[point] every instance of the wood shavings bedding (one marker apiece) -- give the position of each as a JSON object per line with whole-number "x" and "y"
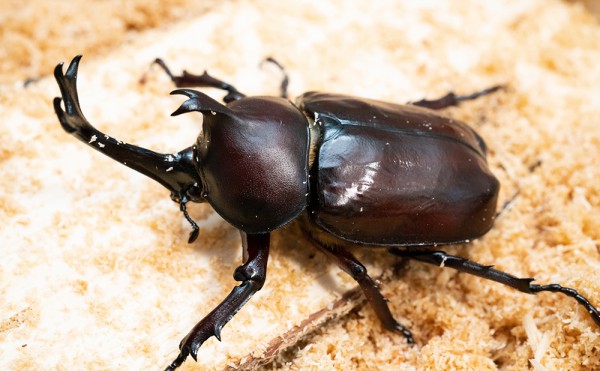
{"x": 35, "y": 34}
{"x": 96, "y": 272}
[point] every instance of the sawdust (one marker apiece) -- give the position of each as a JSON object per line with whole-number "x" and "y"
{"x": 96, "y": 272}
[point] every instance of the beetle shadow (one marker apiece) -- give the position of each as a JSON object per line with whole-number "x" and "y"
{"x": 291, "y": 243}
{"x": 217, "y": 238}
{"x": 221, "y": 241}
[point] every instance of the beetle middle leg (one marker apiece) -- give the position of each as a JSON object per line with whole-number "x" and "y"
{"x": 349, "y": 264}
{"x": 187, "y": 79}
{"x": 452, "y": 99}
{"x": 252, "y": 274}
{"x": 442, "y": 259}
{"x": 285, "y": 81}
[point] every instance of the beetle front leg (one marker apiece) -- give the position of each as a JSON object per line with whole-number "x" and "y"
{"x": 187, "y": 79}
{"x": 252, "y": 274}
{"x": 349, "y": 264}
{"x": 452, "y": 99}
{"x": 442, "y": 259}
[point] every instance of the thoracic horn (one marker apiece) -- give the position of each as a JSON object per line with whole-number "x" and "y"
{"x": 199, "y": 102}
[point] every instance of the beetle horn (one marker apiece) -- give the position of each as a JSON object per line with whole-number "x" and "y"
{"x": 199, "y": 102}
{"x": 176, "y": 172}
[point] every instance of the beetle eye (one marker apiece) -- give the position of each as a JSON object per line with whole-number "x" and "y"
{"x": 194, "y": 193}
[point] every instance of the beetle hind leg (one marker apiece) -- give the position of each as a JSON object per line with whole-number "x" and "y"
{"x": 187, "y": 79}
{"x": 442, "y": 259}
{"x": 349, "y": 264}
{"x": 452, "y": 99}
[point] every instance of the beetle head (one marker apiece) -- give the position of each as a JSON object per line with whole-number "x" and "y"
{"x": 184, "y": 183}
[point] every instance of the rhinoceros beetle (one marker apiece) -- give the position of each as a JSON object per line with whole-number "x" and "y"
{"x": 352, "y": 171}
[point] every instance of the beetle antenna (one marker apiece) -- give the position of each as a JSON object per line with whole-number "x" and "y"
{"x": 193, "y": 234}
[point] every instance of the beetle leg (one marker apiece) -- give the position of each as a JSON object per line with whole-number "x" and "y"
{"x": 285, "y": 81}
{"x": 205, "y": 80}
{"x": 195, "y": 229}
{"x": 452, "y": 99}
{"x": 442, "y": 259}
{"x": 349, "y": 264}
{"x": 252, "y": 274}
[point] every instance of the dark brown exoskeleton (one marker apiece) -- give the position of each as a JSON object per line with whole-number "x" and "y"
{"x": 353, "y": 171}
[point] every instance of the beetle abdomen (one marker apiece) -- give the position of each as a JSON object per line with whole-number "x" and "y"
{"x": 384, "y": 184}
